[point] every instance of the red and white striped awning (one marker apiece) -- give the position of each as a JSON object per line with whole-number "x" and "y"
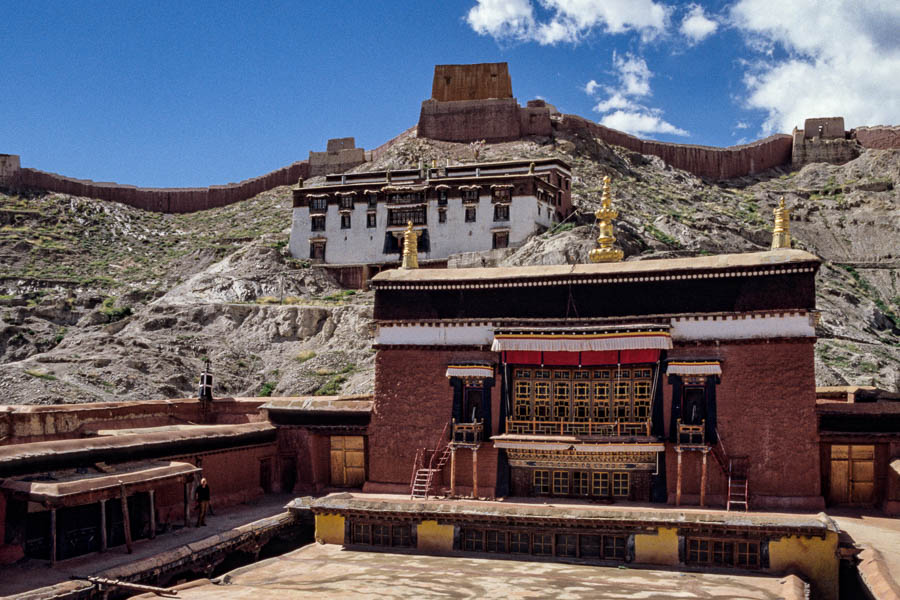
{"x": 694, "y": 367}
{"x": 581, "y": 342}
{"x": 479, "y": 371}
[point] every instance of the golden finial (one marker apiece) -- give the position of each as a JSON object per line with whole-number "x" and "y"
{"x": 607, "y": 252}
{"x": 781, "y": 236}
{"x": 410, "y": 248}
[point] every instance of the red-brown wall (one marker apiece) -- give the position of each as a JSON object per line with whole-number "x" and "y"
{"x": 413, "y": 404}
{"x": 765, "y": 410}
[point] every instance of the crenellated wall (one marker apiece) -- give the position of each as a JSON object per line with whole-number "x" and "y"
{"x": 166, "y": 200}
{"x": 882, "y": 137}
{"x": 703, "y": 161}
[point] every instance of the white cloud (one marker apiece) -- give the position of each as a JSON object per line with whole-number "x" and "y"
{"x": 623, "y": 106}
{"x": 642, "y": 122}
{"x": 696, "y": 26}
{"x": 742, "y": 125}
{"x": 566, "y": 20}
{"x": 502, "y": 18}
{"x": 842, "y": 59}
{"x": 615, "y": 101}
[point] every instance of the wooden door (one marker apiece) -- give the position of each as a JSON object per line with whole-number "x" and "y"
{"x": 862, "y": 474}
{"x": 852, "y": 475}
{"x": 348, "y": 460}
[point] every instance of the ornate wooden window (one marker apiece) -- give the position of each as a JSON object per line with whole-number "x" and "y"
{"x": 542, "y": 544}
{"x": 442, "y": 215}
{"x": 620, "y": 484}
{"x": 470, "y": 214}
{"x": 501, "y": 212}
{"x": 642, "y": 400}
{"x": 519, "y": 542}
{"x": 469, "y": 195}
{"x": 560, "y": 483}
{"x": 372, "y": 199}
{"x": 401, "y": 216}
{"x": 401, "y": 536}
{"x": 622, "y": 400}
{"x": 522, "y": 399}
{"x": 381, "y": 535}
{"x": 442, "y": 197}
{"x": 614, "y": 547}
{"x": 345, "y": 221}
{"x": 600, "y": 483}
{"x": 581, "y": 394}
{"x": 495, "y": 541}
{"x": 371, "y": 220}
{"x": 561, "y": 400}
{"x": 318, "y": 223}
{"x": 406, "y": 197}
{"x": 541, "y": 482}
{"x": 723, "y": 553}
{"x": 542, "y": 400}
{"x": 473, "y": 540}
{"x": 362, "y": 533}
{"x": 567, "y": 544}
{"x": 747, "y": 554}
{"x": 347, "y": 202}
{"x": 581, "y": 483}
{"x": 318, "y": 204}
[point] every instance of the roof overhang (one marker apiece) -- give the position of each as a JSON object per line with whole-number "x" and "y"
{"x": 582, "y": 339}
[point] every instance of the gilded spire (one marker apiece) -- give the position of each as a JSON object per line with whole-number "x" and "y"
{"x": 410, "y": 248}
{"x": 781, "y": 236}
{"x": 607, "y": 252}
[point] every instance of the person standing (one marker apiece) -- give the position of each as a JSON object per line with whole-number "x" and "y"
{"x": 202, "y": 501}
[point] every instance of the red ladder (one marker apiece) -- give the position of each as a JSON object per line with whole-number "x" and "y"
{"x": 423, "y": 477}
{"x": 736, "y": 469}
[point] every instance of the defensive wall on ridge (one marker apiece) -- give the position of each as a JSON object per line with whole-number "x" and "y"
{"x": 475, "y": 102}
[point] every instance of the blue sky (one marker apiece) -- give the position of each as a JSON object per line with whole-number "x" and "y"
{"x": 196, "y": 94}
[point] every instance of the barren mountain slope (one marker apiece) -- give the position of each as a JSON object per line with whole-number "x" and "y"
{"x": 218, "y": 284}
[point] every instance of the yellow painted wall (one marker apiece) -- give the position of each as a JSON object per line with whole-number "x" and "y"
{"x": 330, "y": 529}
{"x": 433, "y": 537}
{"x": 660, "y": 549}
{"x": 814, "y": 557}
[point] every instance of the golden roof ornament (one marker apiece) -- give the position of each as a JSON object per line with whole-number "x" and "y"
{"x": 607, "y": 252}
{"x": 781, "y": 235}
{"x": 410, "y": 248}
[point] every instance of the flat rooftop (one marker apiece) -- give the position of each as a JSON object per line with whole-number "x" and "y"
{"x": 719, "y": 263}
{"x": 327, "y": 571}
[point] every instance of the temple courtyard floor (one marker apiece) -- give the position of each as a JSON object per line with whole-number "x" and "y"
{"x": 327, "y": 571}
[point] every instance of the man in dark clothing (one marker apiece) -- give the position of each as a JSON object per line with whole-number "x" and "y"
{"x": 202, "y": 501}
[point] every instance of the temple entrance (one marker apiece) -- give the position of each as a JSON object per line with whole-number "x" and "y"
{"x": 693, "y": 406}
{"x": 348, "y": 460}
{"x": 472, "y": 405}
{"x": 852, "y": 475}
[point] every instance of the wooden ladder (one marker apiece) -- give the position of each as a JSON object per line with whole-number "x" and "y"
{"x": 423, "y": 477}
{"x": 735, "y": 468}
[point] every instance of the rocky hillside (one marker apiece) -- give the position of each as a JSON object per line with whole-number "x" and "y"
{"x": 103, "y": 302}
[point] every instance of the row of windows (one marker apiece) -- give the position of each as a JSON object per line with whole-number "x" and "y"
{"x": 597, "y": 546}
{"x": 723, "y": 553}
{"x": 601, "y": 484}
{"x": 500, "y": 239}
{"x": 395, "y": 536}
{"x": 402, "y": 216}
{"x": 347, "y": 201}
{"x": 582, "y": 395}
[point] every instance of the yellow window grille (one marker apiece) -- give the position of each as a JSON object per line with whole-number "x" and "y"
{"x": 620, "y": 484}
{"x": 541, "y": 482}
{"x": 560, "y": 482}
{"x": 600, "y": 483}
{"x": 561, "y": 398}
{"x": 522, "y": 399}
{"x": 542, "y": 400}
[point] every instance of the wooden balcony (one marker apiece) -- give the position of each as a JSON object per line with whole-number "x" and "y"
{"x": 580, "y": 428}
{"x": 691, "y": 435}
{"x": 467, "y": 433}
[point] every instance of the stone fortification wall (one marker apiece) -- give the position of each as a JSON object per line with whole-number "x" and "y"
{"x": 703, "y": 161}
{"x": 495, "y": 120}
{"x": 9, "y": 166}
{"x": 167, "y": 200}
{"x": 471, "y": 82}
{"x": 340, "y": 155}
{"x": 881, "y": 137}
